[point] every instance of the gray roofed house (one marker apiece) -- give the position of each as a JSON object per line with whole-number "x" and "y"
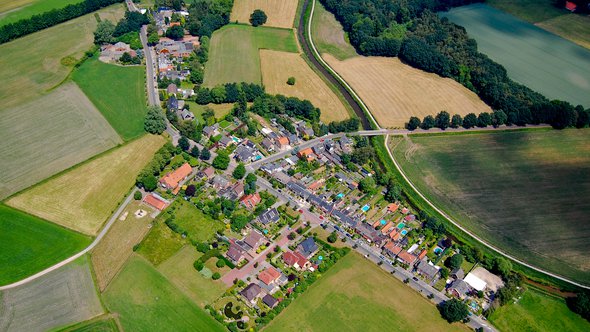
{"x": 368, "y": 232}
{"x": 269, "y": 216}
{"x": 226, "y": 141}
{"x": 459, "y": 288}
{"x": 232, "y": 192}
{"x": 268, "y": 145}
{"x": 211, "y": 130}
{"x": 172, "y": 104}
{"x": 307, "y": 248}
{"x": 282, "y": 177}
{"x": 172, "y": 89}
{"x": 322, "y": 204}
{"x": 207, "y": 172}
{"x": 270, "y": 301}
{"x": 293, "y": 139}
{"x": 220, "y": 182}
{"x": 457, "y": 273}
{"x": 346, "y": 141}
{"x": 251, "y": 292}
{"x": 319, "y": 149}
{"x": 341, "y": 176}
{"x": 245, "y": 153}
{"x": 254, "y": 239}
{"x": 187, "y": 115}
{"x": 298, "y": 189}
{"x": 344, "y": 218}
{"x": 305, "y": 131}
{"x": 426, "y": 269}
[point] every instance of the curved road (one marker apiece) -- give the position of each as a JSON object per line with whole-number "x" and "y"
{"x": 399, "y": 169}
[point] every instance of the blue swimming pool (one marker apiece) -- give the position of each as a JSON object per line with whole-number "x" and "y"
{"x": 404, "y": 232}
{"x": 340, "y": 195}
{"x": 365, "y": 208}
{"x": 438, "y": 250}
{"x": 383, "y": 222}
{"x": 401, "y": 225}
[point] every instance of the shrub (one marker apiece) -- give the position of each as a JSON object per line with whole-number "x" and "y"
{"x": 198, "y": 265}
{"x": 220, "y": 263}
{"x": 216, "y": 276}
{"x": 137, "y": 195}
{"x": 291, "y": 80}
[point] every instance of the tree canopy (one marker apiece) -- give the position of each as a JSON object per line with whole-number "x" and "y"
{"x": 155, "y": 121}
{"x": 453, "y": 310}
{"x": 258, "y": 17}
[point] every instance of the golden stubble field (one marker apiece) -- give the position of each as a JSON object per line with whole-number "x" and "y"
{"x": 394, "y": 91}
{"x": 277, "y": 67}
{"x": 83, "y": 198}
{"x": 281, "y": 13}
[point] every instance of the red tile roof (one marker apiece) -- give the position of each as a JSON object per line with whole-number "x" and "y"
{"x": 392, "y": 207}
{"x": 395, "y": 235}
{"x": 387, "y": 228}
{"x": 290, "y": 258}
{"x": 283, "y": 140}
{"x": 250, "y": 201}
{"x": 570, "y": 6}
{"x": 422, "y": 254}
{"x": 155, "y": 202}
{"x": 269, "y": 275}
{"x": 395, "y": 249}
{"x": 407, "y": 257}
{"x": 172, "y": 179}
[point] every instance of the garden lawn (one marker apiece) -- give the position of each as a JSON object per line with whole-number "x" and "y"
{"x": 146, "y": 301}
{"x": 118, "y": 92}
{"x": 233, "y": 54}
{"x": 198, "y": 226}
{"x": 16, "y": 10}
{"x": 29, "y": 245}
{"x": 328, "y": 35}
{"x": 84, "y": 197}
{"x": 524, "y": 192}
{"x": 180, "y": 271}
{"x": 537, "y": 311}
{"x": 356, "y": 295}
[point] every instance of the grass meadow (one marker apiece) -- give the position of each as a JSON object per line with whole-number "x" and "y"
{"x": 50, "y": 134}
{"x": 161, "y": 243}
{"x": 199, "y": 226}
{"x": 180, "y": 271}
{"x": 100, "y": 324}
{"x": 570, "y": 26}
{"x": 281, "y": 14}
{"x": 278, "y": 66}
{"x": 29, "y": 245}
{"x": 394, "y": 91}
{"x": 118, "y": 92}
{"x": 356, "y": 295}
{"x": 36, "y": 63}
{"x": 551, "y": 65}
{"x": 524, "y": 192}
{"x": 111, "y": 253}
{"x": 537, "y": 311}
{"x": 61, "y": 298}
{"x": 16, "y": 10}
{"x": 145, "y": 300}
{"x": 84, "y": 197}
{"x": 220, "y": 110}
{"x": 233, "y": 55}
{"x": 328, "y": 35}
{"x": 533, "y": 11}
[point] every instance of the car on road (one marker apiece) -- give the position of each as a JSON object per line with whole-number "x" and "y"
{"x": 367, "y": 256}
{"x": 414, "y": 278}
{"x": 300, "y": 211}
{"x": 321, "y": 217}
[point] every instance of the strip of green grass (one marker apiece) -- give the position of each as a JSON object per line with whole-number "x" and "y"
{"x": 536, "y": 311}
{"x": 234, "y": 57}
{"x": 29, "y": 244}
{"x": 328, "y": 35}
{"x": 146, "y": 301}
{"x": 118, "y": 93}
{"x": 100, "y": 324}
{"x": 32, "y": 7}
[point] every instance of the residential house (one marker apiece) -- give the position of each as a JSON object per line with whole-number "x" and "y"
{"x": 459, "y": 288}
{"x": 232, "y": 192}
{"x": 296, "y": 260}
{"x": 250, "y": 201}
{"x": 113, "y": 52}
{"x": 346, "y": 143}
{"x": 155, "y": 201}
{"x": 282, "y": 142}
{"x": 269, "y": 216}
{"x": 211, "y": 130}
{"x": 405, "y": 211}
{"x": 427, "y": 270}
{"x": 293, "y": 139}
{"x": 268, "y": 145}
{"x": 344, "y": 218}
{"x": 269, "y": 276}
{"x": 220, "y": 182}
{"x": 305, "y": 131}
{"x": 422, "y": 254}
{"x": 173, "y": 179}
{"x": 315, "y": 185}
{"x": 410, "y": 218}
{"x": 207, "y": 173}
{"x": 254, "y": 239}
{"x": 252, "y": 293}
{"x": 321, "y": 203}
{"x": 307, "y": 248}
{"x": 395, "y": 235}
{"x": 298, "y": 189}
{"x": 406, "y": 258}
{"x": 245, "y": 153}
{"x": 387, "y": 228}
{"x": 391, "y": 249}
{"x": 306, "y": 154}
{"x": 319, "y": 149}
{"x": 186, "y": 115}
{"x": 392, "y": 207}
{"x": 173, "y": 48}
{"x": 226, "y": 141}
{"x": 270, "y": 301}
{"x": 457, "y": 273}
{"x": 172, "y": 104}
{"x": 368, "y": 232}
{"x": 482, "y": 279}
{"x": 235, "y": 252}
{"x": 172, "y": 89}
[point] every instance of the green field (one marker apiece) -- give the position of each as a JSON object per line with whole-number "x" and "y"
{"x": 524, "y": 192}
{"x": 118, "y": 92}
{"x": 29, "y": 244}
{"x": 144, "y": 300}
{"x": 356, "y": 295}
{"x": 233, "y": 54}
{"x": 21, "y": 9}
{"x": 198, "y": 226}
{"x": 101, "y": 324}
{"x": 58, "y": 299}
{"x": 161, "y": 243}
{"x": 570, "y": 26}
{"x": 50, "y": 134}
{"x": 328, "y": 35}
{"x": 533, "y": 11}
{"x": 536, "y": 311}
{"x": 551, "y": 65}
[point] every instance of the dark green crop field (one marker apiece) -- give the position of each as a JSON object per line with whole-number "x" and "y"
{"x": 524, "y": 192}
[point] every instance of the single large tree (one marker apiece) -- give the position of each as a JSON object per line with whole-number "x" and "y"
{"x": 104, "y": 32}
{"x": 453, "y": 310}
{"x": 442, "y": 120}
{"x": 221, "y": 161}
{"x": 455, "y": 261}
{"x": 413, "y": 123}
{"x": 258, "y": 17}
{"x": 239, "y": 171}
{"x": 176, "y": 32}
{"x": 155, "y": 121}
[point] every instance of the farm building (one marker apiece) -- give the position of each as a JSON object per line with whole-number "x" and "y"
{"x": 156, "y": 201}
{"x": 173, "y": 179}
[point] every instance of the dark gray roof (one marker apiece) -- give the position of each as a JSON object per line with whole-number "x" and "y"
{"x": 307, "y": 247}
{"x": 427, "y": 269}
{"x": 235, "y": 252}
{"x": 368, "y": 231}
{"x": 298, "y": 189}
{"x": 269, "y": 300}
{"x": 460, "y": 286}
{"x": 269, "y": 216}
{"x": 172, "y": 103}
{"x": 344, "y": 218}
{"x": 251, "y": 291}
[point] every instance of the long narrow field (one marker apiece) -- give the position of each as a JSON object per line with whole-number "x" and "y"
{"x": 356, "y": 295}
{"x": 394, "y": 91}
{"x": 328, "y": 35}
{"x": 180, "y": 271}
{"x": 60, "y": 298}
{"x": 570, "y": 26}
{"x": 532, "y": 11}
{"x": 99, "y": 324}
{"x": 233, "y": 56}
{"x": 524, "y": 192}
{"x": 15, "y": 10}
{"x": 111, "y": 253}
{"x": 280, "y": 13}
{"x": 33, "y": 64}
{"x": 536, "y": 311}
{"x": 118, "y": 92}
{"x": 84, "y": 197}
{"x": 29, "y": 245}
{"x": 277, "y": 67}
{"x": 146, "y": 301}
{"x": 553, "y": 66}
{"x": 50, "y": 134}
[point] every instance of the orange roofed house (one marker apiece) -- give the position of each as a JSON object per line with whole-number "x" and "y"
{"x": 173, "y": 179}
{"x": 250, "y": 201}
{"x": 306, "y": 154}
{"x": 155, "y": 201}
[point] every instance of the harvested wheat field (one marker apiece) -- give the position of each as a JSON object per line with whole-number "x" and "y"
{"x": 277, "y": 67}
{"x": 109, "y": 256}
{"x": 84, "y": 197}
{"x": 281, "y": 13}
{"x": 394, "y": 91}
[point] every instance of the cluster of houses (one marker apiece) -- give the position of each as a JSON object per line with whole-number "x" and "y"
{"x": 112, "y": 53}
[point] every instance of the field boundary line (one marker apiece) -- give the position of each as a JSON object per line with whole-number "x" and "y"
{"x": 99, "y": 237}
{"x": 464, "y": 230}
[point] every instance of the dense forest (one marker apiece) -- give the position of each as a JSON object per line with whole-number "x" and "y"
{"x": 48, "y": 19}
{"x": 207, "y": 16}
{"x": 413, "y": 32}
